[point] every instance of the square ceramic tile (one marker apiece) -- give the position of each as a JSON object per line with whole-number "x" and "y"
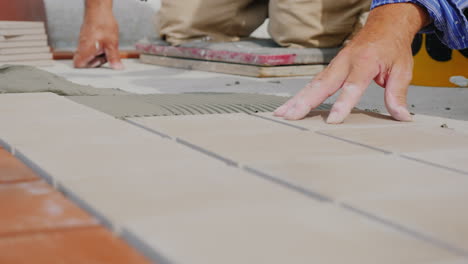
{"x": 436, "y": 122}
{"x": 280, "y": 233}
{"x": 224, "y": 124}
{"x": 404, "y": 139}
{"x": 255, "y": 141}
{"x": 30, "y": 105}
{"x": 359, "y": 119}
{"x": 453, "y": 159}
{"x": 410, "y": 193}
{"x": 61, "y": 121}
{"x": 435, "y": 208}
{"x": 346, "y": 176}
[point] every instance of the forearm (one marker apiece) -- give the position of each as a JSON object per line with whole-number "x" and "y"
{"x": 446, "y": 17}
{"x": 402, "y": 20}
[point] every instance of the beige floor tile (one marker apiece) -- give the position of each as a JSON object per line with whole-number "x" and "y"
{"x": 45, "y": 117}
{"x": 454, "y": 261}
{"x": 405, "y": 139}
{"x": 349, "y": 176}
{"x": 225, "y": 124}
{"x": 358, "y": 119}
{"x": 29, "y": 105}
{"x": 455, "y": 159}
{"x": 414, "y": 194}
{"x": 280, "y": 233}
{"x": 277, "y": 146}
{"x": 436, "y": 208}
{"x": 436, "y": 122}
{"x": 254, "y": 142}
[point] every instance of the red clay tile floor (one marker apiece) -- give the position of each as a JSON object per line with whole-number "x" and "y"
{"x": 39, "y": 225}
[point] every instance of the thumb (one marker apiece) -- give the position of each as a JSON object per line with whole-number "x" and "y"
{"x": 396, "y": 92}
{"x": 113, "y": 56}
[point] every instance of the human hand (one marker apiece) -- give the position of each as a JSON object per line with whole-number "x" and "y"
{"x": 99, "y": 39}
{"x": 380, "y": 52}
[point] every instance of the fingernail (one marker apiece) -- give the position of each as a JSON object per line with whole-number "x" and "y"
{"x": 334, "y": 118}
{"x": 117, "y": 66}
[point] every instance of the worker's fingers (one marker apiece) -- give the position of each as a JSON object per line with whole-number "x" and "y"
{"x": 87, "y": 54}
{"x": 351, "y": 91}
{"x": 312, "y": 95}
{"x": 97, "y": 61}
{"x": 113, "y": 56}
{"x": 396, "y": 92}
{"x": 317, "y": 91}
{"x": 280, "y": 111}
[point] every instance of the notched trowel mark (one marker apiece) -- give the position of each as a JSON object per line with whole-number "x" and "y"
{"x": 28, "y": 79}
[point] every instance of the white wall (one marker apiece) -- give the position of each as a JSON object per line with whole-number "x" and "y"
{"x": 135, "y": 18}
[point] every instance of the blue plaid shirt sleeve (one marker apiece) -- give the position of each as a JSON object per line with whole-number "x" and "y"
{"x": 449, "y": 22}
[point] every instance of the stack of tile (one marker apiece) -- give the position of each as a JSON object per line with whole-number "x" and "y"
{"x": 24, "y": 43}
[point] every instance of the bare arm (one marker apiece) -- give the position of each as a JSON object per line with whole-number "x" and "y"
{"x": 380, "y": 52}
{"x": 99, "y": 37}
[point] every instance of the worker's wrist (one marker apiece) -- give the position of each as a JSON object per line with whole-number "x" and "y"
{"x": 401, "y": 20}
{"x": 96, "y": 7}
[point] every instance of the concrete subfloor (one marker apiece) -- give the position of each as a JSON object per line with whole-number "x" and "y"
{"x": 148, "y": 79}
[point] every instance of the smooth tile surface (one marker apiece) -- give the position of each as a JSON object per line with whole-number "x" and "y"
{"x": 436, "y": 122}
{"x": 431, "y": 200}
{"x": 455, "y": 158}
{"x": 55, "y": 120}
{"x": 357, "y": 119}
{"x": 292, "y": 234}
{"x": 405, "y": 139}
{"x": 349, "y": 176}
{"x": 217, "y": 124}
{"x": 258, "y": 143}
{"x": 35, "y": 206}
{"x": 12, "y": 170}
{"x": 438, "y": 209}
{"x": 84, "y": 245}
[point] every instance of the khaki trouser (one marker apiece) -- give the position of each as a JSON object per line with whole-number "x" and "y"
{"x": 293, "y": 23}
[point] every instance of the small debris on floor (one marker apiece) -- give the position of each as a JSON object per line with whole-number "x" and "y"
{"x": 444, "y": 126}
{"x": 375, "y": 110}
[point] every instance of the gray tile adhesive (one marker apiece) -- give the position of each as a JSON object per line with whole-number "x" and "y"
{"x": 124, "y": 106}
{"x": 28, "y": 79}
